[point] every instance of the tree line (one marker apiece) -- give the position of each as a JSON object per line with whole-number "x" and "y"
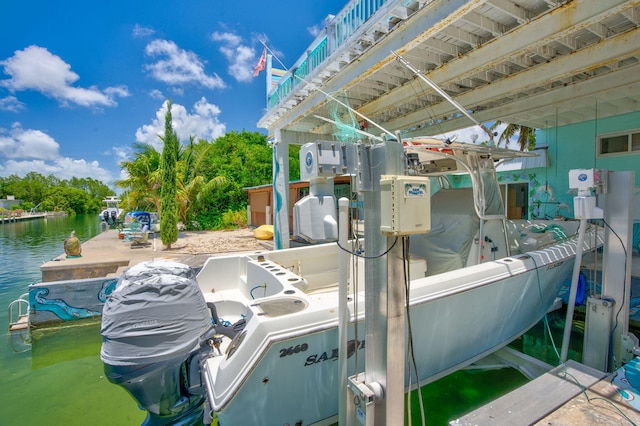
{"x": 75, "y": 196}
{"x": 210, "y": 177}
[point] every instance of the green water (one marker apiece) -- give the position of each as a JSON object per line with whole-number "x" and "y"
{"x": 59, "y": 379}
{"x": 462, "y": 392}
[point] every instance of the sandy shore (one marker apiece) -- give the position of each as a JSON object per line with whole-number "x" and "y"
{"x": 211, "y": 242}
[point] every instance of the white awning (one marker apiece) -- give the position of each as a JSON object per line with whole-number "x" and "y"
{"x": 521, "y": 163}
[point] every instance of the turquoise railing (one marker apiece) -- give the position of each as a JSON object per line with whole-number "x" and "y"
{"x": 347, "y": 22}
{"x": 300, "y": 73}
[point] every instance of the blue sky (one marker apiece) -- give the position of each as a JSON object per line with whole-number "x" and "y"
{"x": 81, "y": 81}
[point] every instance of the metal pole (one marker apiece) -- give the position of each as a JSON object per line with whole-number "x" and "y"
{"x": 443, "y": 94}
{"x": 343, "y": 313}
{"x": 573, "y": 290}
{"x": 616, "y": 273}
{"x": 375, "y": 302}
{"x": 394, "y": 391}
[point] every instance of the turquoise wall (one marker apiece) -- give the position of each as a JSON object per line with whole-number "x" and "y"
{"x": 574, "y": 147}
{"x": 570, "y": 147}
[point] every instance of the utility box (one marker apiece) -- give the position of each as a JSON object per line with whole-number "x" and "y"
{"x": 405, "y": 204}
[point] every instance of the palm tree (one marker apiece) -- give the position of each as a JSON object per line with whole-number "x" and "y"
{"x": 526, "y": 135}
{"x": 143, "y": 181}
{"x": 191, "y": 182}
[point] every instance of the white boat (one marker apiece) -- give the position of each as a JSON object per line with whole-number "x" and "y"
{"x": 112, "y": 212}
{"x": 477, "y": 281}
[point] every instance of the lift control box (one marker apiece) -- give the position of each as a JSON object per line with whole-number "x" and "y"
{"x": 405, "y": 204}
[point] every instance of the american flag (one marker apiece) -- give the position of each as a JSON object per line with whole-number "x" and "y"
{"x": 261, "y": 63}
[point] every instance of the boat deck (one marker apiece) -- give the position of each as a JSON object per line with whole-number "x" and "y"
{"x": 571, "y": 395}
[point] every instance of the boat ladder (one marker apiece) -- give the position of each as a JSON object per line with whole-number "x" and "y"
{"x": 19, "y": 313}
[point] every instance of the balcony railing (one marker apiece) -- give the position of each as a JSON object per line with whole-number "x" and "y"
{"x": 337, "y": 32}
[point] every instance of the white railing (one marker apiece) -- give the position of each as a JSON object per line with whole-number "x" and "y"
{"x": 338, "y": 31}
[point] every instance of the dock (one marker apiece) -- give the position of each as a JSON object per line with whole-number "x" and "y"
{"x": 10, "y": 217}
{"x": 106, "y": 255}
{"x": 573, "y": 394}
{"x": 75, "y": 288}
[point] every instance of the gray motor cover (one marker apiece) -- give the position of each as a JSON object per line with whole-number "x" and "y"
{"x": 156, "y": 313}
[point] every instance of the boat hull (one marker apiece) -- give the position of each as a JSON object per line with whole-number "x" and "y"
{"x": 285, "y": 370}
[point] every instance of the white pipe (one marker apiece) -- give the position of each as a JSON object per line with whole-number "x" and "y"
{"x": 573, "y": 290}
{"x": 444, "y": 94}
{"x": 343, "y": 308}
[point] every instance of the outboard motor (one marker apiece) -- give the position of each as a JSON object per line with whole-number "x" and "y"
{"x": 113, "y": 216}
{"x": 105, "y": 215}
{"x": 156, "y": 331}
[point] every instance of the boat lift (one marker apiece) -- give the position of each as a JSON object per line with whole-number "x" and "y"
{"x": 607, "y": 342}
{"x": 377, "y": 395}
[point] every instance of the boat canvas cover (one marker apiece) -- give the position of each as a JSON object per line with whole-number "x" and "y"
{"x": 454, "y": 225}
{"x": 156, "y": 313}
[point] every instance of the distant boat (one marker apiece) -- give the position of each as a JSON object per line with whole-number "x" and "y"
{"x": 476, "y": 282}
{"x": 112, "y": 212}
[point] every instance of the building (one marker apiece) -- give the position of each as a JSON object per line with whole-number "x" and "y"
{"x": 8, "y": 202}
{"x": 260, "y": 199}
{"x": 570, "y": 69}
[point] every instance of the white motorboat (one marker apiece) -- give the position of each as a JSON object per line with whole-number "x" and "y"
{"x": 112, "y": 212}
{"x": 476, "y": 282}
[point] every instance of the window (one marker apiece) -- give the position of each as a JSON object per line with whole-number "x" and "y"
{"x": 619, "y": 143}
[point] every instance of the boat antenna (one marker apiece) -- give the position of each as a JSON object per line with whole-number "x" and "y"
{"x": 333, "y": 98}
{"x": 444, "y": 95}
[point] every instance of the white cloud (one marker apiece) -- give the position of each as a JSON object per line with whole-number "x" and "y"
{"x": 242, "y": 58}
{"x": 179, "y": 66}
{"x": 140, "y": 31}
{"x": 315, "y": 30}
{"x": 63, "y": 168}
{"x": 156, "y": 94}
{"x": 21, "y": 143}
{"x": 203, "y": 123}
{"x": 28, "y": 150}
{"x": 228, "y": 38}
{"x": 35, "y": 68}
{"x": 11, "y": 103}
{"x": 122, "y": 153}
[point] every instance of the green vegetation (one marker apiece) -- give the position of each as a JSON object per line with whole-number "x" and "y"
{"x": 168, "y": 190}
{"x": 210, "y": 177}
{"x": 77, "y": 195}
{"x": 143, "y": 184}
{"x": 526, "y": 135}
